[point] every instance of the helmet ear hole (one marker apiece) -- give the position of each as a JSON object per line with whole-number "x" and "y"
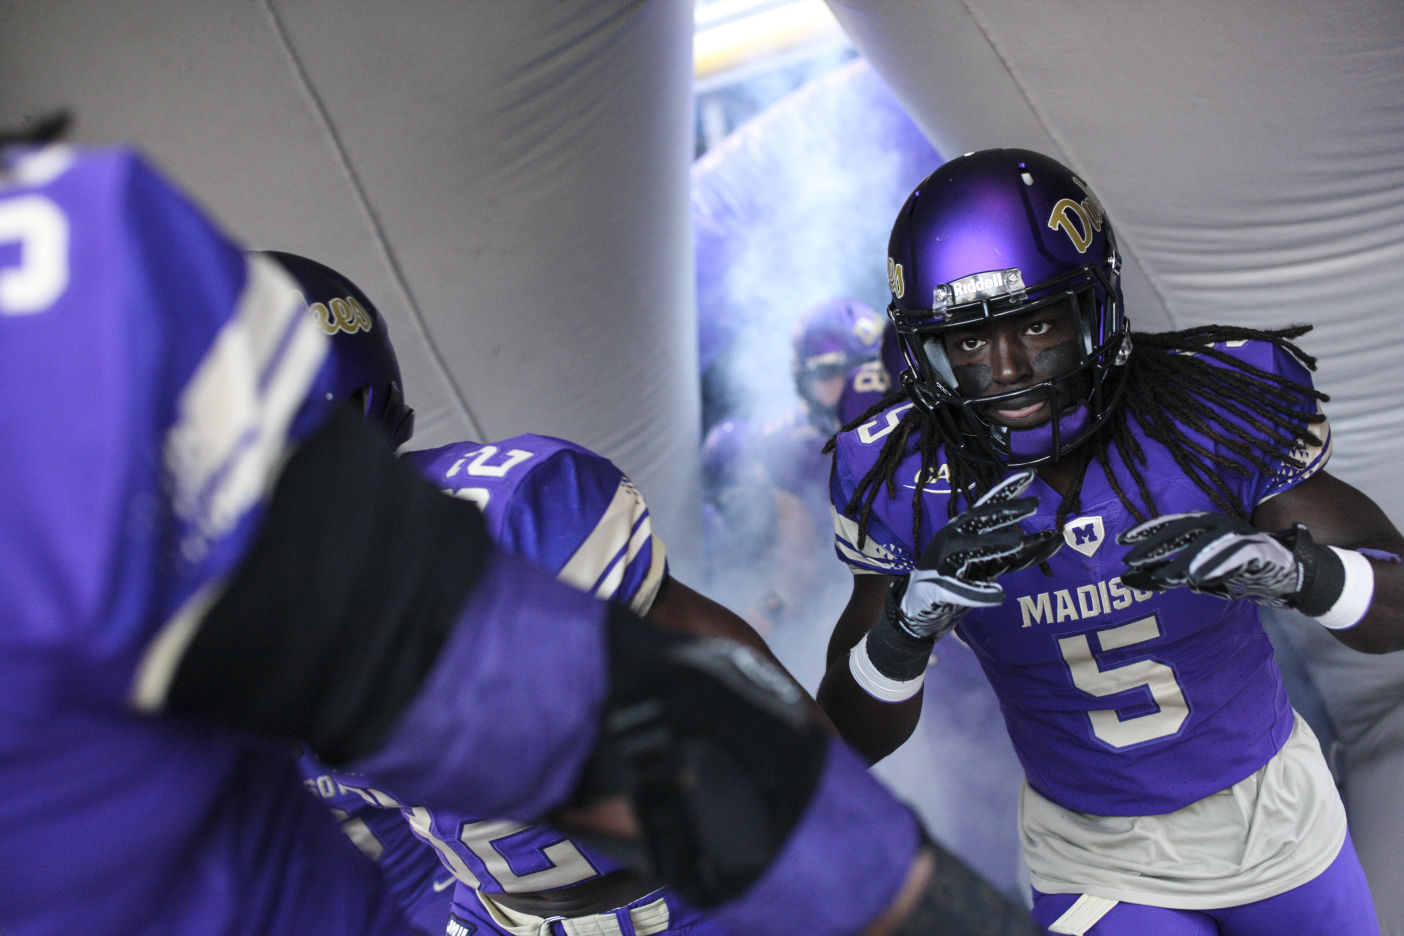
{"x": 361, "y": 399}
{"x": 1123, "y": 350}
{"x": 398, "y": 418}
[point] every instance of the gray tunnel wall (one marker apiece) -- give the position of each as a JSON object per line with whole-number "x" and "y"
{"x": 507, "y": 181}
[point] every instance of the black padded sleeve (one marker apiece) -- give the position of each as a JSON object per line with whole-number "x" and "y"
{"x": 717, "y": 750}
{"x": 341, "y": 605}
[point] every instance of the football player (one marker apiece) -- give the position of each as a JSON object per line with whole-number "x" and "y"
{"x": 1169, "y": 787}
{"x": 186, "y": 598}
{"x": 831, "y": 339}
{"x": 575, "y": 514}
{"x": 872, "y": 380}
{"x": 776, "y": 472}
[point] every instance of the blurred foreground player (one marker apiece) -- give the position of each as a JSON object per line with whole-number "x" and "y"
{"x": 575, "y": 514}
{"x": 185, "y": 598}
{"x": 1170, "y": 788}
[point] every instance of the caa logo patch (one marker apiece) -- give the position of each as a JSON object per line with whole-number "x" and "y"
{"x": 460, "y": 927}
{"x": 1085, "y": 534}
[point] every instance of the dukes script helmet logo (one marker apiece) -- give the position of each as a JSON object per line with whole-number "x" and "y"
{"x": 894, "y": 279}
{"x": 1080, "y": 220}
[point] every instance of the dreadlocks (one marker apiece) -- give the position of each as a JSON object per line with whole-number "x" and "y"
{"x": 1171, "y": 380}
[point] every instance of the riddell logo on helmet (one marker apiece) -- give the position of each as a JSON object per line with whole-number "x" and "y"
{"x": 1080, "y": 220}
{"x": 975, "y": 285}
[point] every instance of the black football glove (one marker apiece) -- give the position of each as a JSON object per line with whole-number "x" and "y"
{"x": 956, "y": 572}
{"x": 1226, "y": 557}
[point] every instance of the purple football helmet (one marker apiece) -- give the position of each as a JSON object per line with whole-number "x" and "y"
{"x": 1003, "y": 232}
{"x": 362, "y": 366}
{"x": 831, "y": 339}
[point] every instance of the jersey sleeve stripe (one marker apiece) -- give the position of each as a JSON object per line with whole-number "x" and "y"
{"x": 152, "y": 680}
{"x": 1312, "y": 457}
{"x": 227, "y": 444}
{"x": 602, "y": 564}
{"x": 653, "y": 577}
{"x": 230, "y": 432}
{"x": 873, "y": 557}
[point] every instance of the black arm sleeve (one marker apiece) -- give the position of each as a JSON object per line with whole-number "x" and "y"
{"x": 342, "y": 604}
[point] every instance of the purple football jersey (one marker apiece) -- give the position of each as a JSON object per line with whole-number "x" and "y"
{"x": 154, "y": 383}
{"x": 575, "y": 514}
{"x": 1118, "y": 701}
{"x": 560, "y": 505}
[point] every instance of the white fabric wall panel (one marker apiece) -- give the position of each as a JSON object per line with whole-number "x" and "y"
{"x": 509, "y": 183}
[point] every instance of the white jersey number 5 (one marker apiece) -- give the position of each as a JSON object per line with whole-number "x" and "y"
{"x": 1156, "y": 677}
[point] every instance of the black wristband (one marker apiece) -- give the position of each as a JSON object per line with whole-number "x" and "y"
{"x": 893, "y": 650}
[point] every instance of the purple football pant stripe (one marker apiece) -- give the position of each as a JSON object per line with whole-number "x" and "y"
{"x": 1334, "y": 903}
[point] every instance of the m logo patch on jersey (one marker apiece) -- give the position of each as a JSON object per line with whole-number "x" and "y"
{"x": 457, "y": 926}
{"x": 1085, "y": 534}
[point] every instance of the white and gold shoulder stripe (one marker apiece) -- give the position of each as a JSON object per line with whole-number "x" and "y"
{"x": 873, "y": 557}
{"x": 602, "y": 562}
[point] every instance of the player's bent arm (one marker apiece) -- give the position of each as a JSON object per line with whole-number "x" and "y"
{"x": 875, "y": 728}
{"x": 372, "y": 619}
{"x": 683, "y": 610}
{"x": 1337, "y": 514}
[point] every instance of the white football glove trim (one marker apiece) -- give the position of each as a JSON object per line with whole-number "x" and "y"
{"x": 933, "y": 602}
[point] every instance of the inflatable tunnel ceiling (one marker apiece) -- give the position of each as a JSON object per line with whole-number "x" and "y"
{"x": 514, "y": 183}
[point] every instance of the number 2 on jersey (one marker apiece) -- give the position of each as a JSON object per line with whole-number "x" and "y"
{"x": 479, "y": 464}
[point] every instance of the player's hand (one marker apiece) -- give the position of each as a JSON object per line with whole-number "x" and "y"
{"x": 956, "y": 572}
{"x": 1223, "y": 556}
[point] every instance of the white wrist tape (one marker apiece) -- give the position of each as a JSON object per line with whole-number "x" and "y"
{"x": 1356, "y": 594}
{"x": 880, "y": 687}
